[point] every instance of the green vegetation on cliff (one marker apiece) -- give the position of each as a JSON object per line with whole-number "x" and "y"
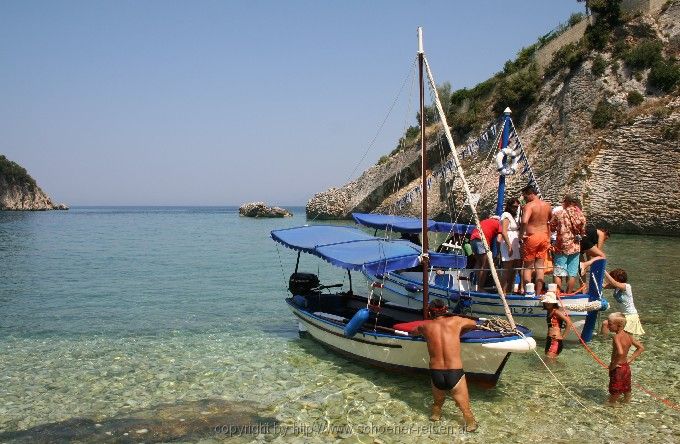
{"x": 13, "y": 173}
{"x": 630, "y": 43}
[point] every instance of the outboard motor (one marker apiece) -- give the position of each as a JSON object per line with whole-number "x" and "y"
{"x": 302, "y": 283}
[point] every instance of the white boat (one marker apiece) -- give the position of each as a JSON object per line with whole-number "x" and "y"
{"x": 329, "y": 317}
{"x": 372, "y": 330}
{"x": 404, "y": 288}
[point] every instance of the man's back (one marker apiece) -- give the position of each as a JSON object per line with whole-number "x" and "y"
{"x": 536, "y": 216}
{"x": 443, "y": 340}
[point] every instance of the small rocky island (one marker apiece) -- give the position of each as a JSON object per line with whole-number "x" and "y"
{"x": 260, "y": 209}
{"x": 20, "y": 192}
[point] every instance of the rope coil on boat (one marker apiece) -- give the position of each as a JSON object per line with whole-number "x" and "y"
{"x": 498, "y": 325}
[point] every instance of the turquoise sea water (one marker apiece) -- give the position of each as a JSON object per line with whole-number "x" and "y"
{"x": 169, "y": 324}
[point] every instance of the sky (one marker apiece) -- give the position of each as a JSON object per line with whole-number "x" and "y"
{"x": 226, "y": 102}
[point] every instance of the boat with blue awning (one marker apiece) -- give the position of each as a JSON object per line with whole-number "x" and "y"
{"x": 369, "y": 328}
{"x": 455, "y": 284}
{"x": 330, "y": 315}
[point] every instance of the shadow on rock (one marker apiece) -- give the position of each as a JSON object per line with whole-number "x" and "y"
{"x": 188, "y": 421}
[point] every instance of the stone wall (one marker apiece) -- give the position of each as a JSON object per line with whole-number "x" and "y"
{"x": 544, "y": 55}
{"x": 572, "y": 35}
{"x": 642, "y": 5}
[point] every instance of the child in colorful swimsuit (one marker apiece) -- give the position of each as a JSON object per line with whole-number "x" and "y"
{"x": 619, "y": 368}
{"x": 618, "y": 280}
{"x": 557, "y": 321}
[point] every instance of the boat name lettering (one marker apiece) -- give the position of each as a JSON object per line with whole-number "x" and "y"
{"x": 522, "y": 310}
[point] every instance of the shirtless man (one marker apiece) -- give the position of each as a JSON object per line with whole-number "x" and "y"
{"x": 534, "y": 236}
{"x": 619, "y": 367}
{"x": 446, "y": 367}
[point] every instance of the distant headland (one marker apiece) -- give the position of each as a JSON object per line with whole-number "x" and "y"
{"x": 20, "y": 192}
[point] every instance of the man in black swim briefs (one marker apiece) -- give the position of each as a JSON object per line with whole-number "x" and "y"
{"x": 446, "y": 367}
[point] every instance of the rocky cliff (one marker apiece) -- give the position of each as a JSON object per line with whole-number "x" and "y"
{"x": 600, "y": 127}
{"x": 19, "y": 191}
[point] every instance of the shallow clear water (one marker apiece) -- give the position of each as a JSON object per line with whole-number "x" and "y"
{"x": 110, "y": 314}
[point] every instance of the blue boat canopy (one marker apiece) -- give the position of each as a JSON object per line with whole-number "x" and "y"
{"x": 404, "y": 224}
{"x": 308, "y": 237}
{"x": 352, "y": 249}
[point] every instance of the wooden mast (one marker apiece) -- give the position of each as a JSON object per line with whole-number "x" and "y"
{"x": 425, "y": 259}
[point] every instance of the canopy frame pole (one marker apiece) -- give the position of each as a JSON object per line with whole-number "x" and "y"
{"x": 349, "y": 275}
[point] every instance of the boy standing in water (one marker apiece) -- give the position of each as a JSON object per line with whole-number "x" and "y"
{"x": 619, "y": 368}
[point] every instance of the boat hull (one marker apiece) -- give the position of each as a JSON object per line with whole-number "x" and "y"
{"x": 483, "y": 361}
{"x": 404, "y": 290}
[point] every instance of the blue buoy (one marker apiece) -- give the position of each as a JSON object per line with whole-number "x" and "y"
{"x": 354, "y": 324}
{"x": 604, "y": 304}
{"x": 412, "y": 288}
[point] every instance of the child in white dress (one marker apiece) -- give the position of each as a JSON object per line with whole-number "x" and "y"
{"x": 618, "y": 280}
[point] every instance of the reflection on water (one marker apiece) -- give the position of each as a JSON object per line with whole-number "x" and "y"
{"x": 135, "y": 320}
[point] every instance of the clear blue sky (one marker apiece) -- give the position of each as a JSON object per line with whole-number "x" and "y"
{"x": 223, "y": 102}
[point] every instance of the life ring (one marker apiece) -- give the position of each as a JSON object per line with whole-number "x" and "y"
{"x": 512, "y": 160}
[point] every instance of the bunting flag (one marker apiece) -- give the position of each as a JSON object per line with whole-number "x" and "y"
{"x": 481, "y": 143}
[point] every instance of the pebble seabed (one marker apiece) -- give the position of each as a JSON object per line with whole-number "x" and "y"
{"x": 222, "y": 387}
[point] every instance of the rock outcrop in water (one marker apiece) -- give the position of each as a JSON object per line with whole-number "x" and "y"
{"x": 193, "y": 421}
{"x": 260, "y": 209}
{"x": 19, "y": 191}
{"x": 598, "y": 129}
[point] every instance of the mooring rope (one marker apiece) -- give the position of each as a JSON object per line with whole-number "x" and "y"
{"x": 663, "y": 400}
{"x": 283, "y": 273}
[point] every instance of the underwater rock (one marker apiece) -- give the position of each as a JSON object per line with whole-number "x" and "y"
{"x": 188, "y": 421}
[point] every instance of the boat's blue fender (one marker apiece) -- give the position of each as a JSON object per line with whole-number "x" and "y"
{"x": 356, "y": 322}
{"x": 604, "y": 304}
{"x": 300, "y": 301}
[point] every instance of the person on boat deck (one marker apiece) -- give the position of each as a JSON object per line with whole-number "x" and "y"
{"x": 510, "y": 253}
{"x": 619, "y": 367}
{"x": 623, "y": 293}
{"x": 442, "y": 334}
{"x": 569, "y": 223}
{"x": 534, "y": 237}
{"x": 592, "y": 244}
{"x": 557, "y": 321}
{"x": 411, "y": 237}
{"x": 491, "y": 226}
